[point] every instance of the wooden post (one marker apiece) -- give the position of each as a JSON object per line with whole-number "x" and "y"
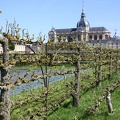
{"x": 4, "y": 96}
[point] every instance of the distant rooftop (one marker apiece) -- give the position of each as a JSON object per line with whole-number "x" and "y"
{"x": 69, "y": 30}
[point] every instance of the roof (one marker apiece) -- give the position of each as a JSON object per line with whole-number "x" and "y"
{"x": 114, "y": 41}
{"x": 105, "y": 41}
{"x": 83, "y": 23}
{"x": 69, "y": 30}
{"x": 97, "y": 41}
{"x": 97, "y": 29}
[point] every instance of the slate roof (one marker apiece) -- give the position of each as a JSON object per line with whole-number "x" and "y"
{"x": 92, "y": 29}
{"x": 97, "y": 41}
{"x": 83, "y": 23}
{"x": 97, "y": 29}
{"x": 69, "y": 30}
{"x": 114, "y": 41}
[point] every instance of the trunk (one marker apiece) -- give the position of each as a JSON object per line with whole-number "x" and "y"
{"x": 4, "y": 97}
{"x": 109, "y": 103}
{"x": 117, "y": 59}
{"x": 99, "y": 69}
{"x": 75, "y": 94}
{"x": 75, "y": 100}
{"x": 99, "y": 76}
{"x": 110, "y": 68}
{"x": 47, "y": 86}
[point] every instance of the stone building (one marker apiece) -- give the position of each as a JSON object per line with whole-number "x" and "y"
{"x": 112, "y": 42}
{"x": 82, "y": 32}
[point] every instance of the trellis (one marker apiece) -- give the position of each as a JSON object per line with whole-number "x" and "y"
{"x": 104, "y": 62}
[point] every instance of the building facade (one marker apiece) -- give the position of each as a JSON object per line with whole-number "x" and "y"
{"x": 113, "y": 42}
{"x": 82, "y": 32}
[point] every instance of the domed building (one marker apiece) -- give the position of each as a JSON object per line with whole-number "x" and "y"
{"x": 82, "y": 32}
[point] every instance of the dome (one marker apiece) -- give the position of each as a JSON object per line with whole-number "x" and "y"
{"x": 83, "y": 23}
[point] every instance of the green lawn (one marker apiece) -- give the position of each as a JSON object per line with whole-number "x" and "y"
{"x": 65, "y": 111}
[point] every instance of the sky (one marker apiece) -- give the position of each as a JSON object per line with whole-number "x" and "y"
{"x": 39, "y": 16}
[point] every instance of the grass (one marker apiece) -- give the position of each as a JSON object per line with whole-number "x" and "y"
{"x": 32, "y": 105}
{"x": 87, "y": 100}
{"x": 65, "y": 111}
{"x": 102, "y": 112}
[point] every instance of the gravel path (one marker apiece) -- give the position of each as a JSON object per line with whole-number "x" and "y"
{"x": 31, "y": 85}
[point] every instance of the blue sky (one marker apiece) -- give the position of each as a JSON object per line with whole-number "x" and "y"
{"x": 40, "y": 15}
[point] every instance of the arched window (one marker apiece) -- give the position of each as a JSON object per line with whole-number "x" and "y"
{"x": 106, "y": 37}
{"x": 95, "y": 37}
{"x": 90, "y": 37}
{"x": 70, "y": 39}
{"x": 100, "y": 37}
{"x": 79, "y": 37}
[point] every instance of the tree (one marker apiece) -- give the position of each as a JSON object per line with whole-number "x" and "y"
{"x": 5, "y": 87}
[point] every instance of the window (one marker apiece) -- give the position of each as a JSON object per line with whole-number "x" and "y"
{"x": 116, "y": 45}
{"x": 90, "y": 37}
{"x": 79, "y": 37}
{"x": 100, "y": 37}
{"x": 95, "y": 37}
{"x": 70, "y": 39}
{"x": 106, "y": 37}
